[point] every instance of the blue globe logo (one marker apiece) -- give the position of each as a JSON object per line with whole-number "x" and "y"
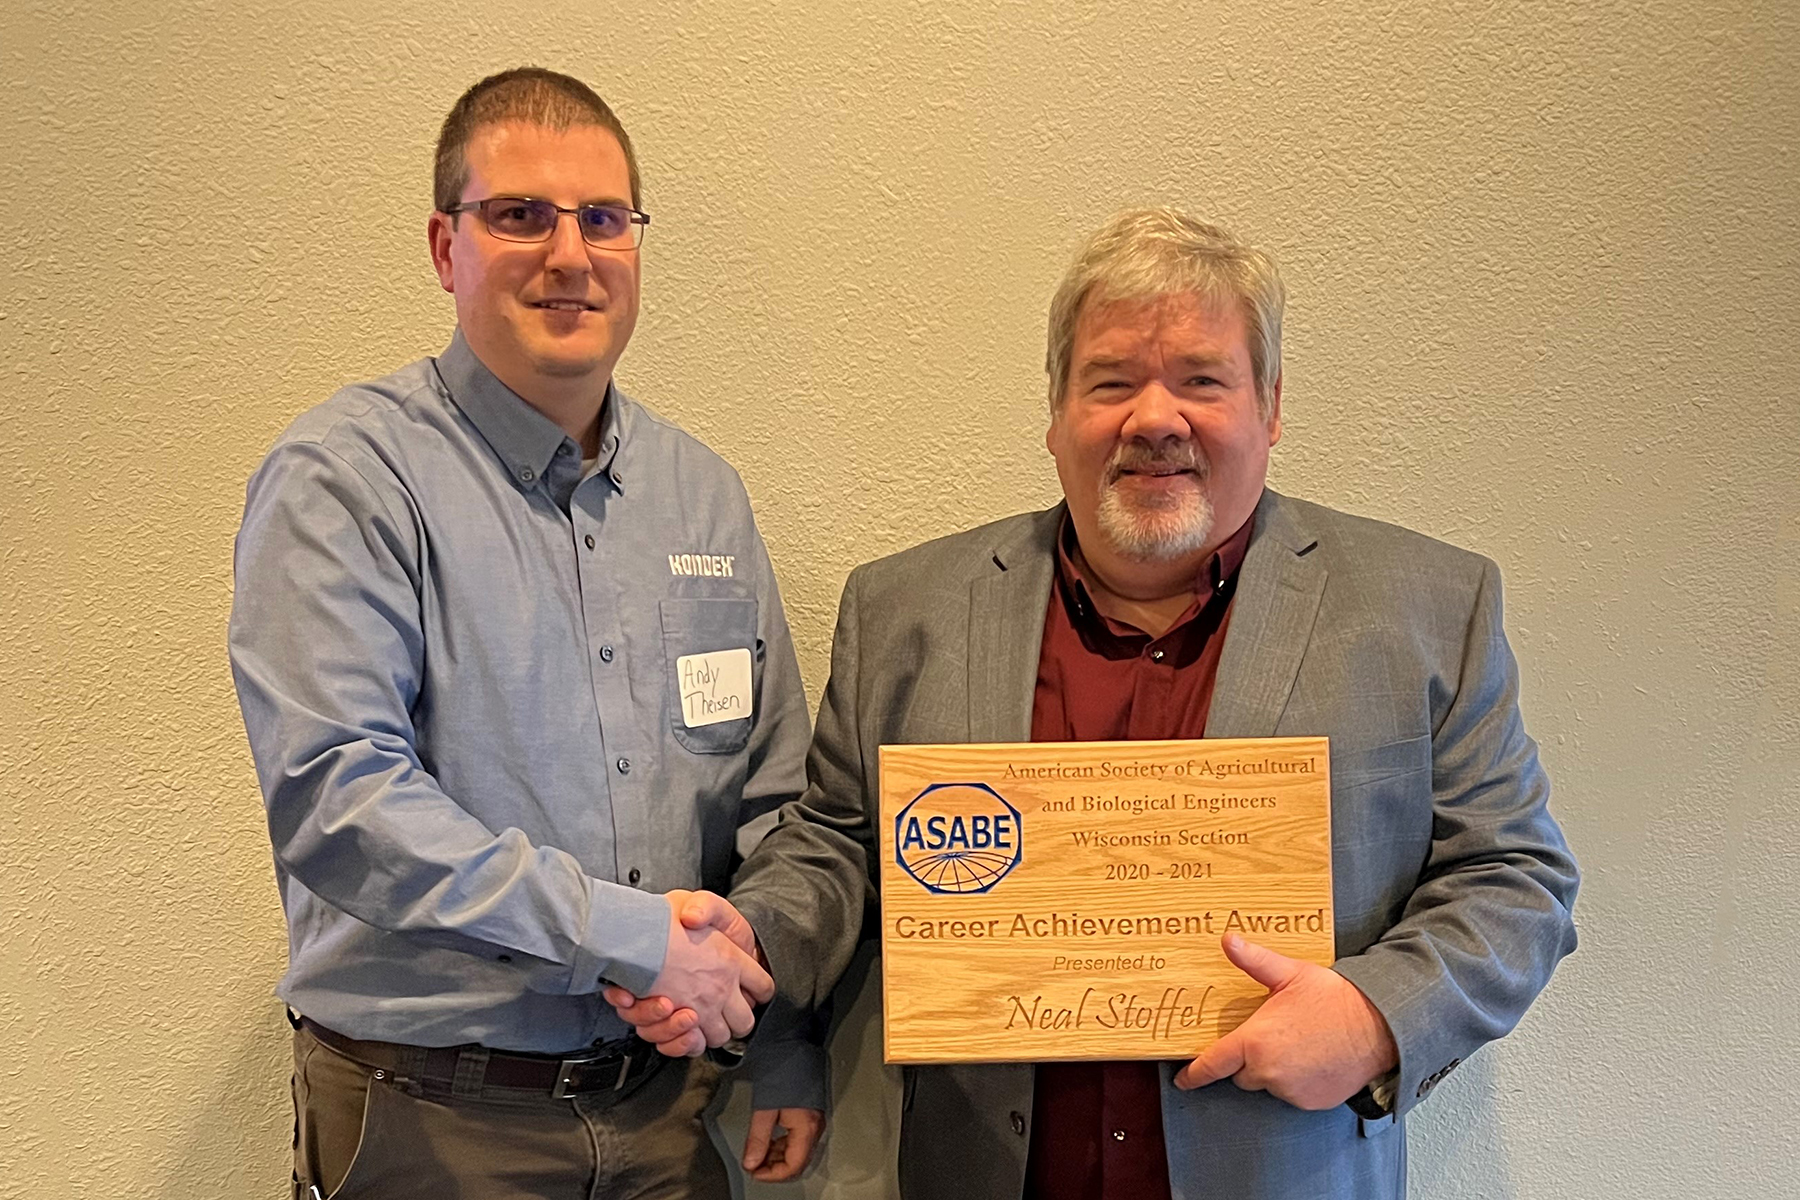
{"x": 958, "y": 838}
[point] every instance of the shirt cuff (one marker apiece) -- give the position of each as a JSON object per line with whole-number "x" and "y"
{"x": 1376, "y": 1101}
{"x": 786, "y": 1073}
{"x": 1382, "y": 1090}
{"x": 626, "y": 941}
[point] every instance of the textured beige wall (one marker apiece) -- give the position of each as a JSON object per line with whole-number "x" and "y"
{"x": 1545, "y": 264}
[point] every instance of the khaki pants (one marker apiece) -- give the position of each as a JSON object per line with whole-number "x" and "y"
{"x": 358, "y": 1136}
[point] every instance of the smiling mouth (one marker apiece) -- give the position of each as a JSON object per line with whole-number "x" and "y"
{"x": 565, "y": 305}
{"x": 1154, "y": 472}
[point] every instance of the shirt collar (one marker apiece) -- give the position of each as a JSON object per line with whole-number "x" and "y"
{"x": 1219, "y": 569}
{"x": 524, "y": 438}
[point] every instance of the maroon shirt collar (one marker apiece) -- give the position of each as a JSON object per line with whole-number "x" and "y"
{"x": 1213, "y": 579}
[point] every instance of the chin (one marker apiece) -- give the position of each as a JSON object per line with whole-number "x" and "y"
{"x": 567, "y": 366}
{"x": 1155, "y": 534}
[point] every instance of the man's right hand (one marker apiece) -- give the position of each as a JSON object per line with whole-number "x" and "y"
{"x": 709, "y": 981}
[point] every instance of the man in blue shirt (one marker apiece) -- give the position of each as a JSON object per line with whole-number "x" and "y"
{"x": 514, "y": 669}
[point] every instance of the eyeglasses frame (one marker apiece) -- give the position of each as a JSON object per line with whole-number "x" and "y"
{"x": 633, "y": 217}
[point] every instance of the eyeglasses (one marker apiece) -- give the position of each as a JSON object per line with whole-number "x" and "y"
{"x": 522, "y": 219}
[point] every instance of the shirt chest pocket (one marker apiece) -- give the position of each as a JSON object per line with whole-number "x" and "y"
{"x": 709, "y": 648}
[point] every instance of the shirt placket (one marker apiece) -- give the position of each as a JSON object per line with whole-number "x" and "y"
{"x": 1155, "y": 682}
{"x": 1129, "y": 1154}
{"x": 626, "y": 754}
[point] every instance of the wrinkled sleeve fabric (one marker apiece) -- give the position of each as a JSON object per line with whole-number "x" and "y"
{"x": 785, "y": 1062}
{"x": 1490, "y": 916}
{"x": 807, "y": 884}
{"x": 327, "y": 652}
{"x": 776, "y": 769}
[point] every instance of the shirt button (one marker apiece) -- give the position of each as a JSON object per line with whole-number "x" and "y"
{"x": 1018, "y": 1123}
{"x": 634, "y": 876}
{"x": 606, "y": 654}
{"x": 618, "y": 479}
{"x": 1156, "y": 656}
{"x": 624, "y": 765}
{"x": 526, "y": 475}
{"x": 590, "y": 541}
{"x": 1118, "y": 1135}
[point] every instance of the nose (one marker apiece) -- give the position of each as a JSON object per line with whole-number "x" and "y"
{"x": 567, "y": 253}
{"x": 1155, "y": 416}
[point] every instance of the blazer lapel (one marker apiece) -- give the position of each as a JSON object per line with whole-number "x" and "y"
{"x": 1278, "y": 594}
{"x": 1006, "y": 629}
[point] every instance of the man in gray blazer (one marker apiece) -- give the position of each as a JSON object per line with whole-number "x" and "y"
{"x": 1172, "y": 594}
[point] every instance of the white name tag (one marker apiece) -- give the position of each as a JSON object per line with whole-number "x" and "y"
{"x": 714, "y": 687}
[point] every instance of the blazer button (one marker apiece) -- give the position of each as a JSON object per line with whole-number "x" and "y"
{"x": 1018, "y": 1124}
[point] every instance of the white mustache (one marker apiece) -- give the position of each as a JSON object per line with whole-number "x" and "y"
{"x": 1134, "y": 457}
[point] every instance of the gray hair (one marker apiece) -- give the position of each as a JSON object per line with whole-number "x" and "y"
{"x": 1148, "y": 253}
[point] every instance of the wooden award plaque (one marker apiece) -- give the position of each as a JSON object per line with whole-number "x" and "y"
{"x": 1066, "y": 900}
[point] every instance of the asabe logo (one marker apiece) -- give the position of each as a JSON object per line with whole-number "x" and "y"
{"x": 958, "y": 838}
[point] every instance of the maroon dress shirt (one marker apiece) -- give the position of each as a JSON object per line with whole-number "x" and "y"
{"x": 1096, "y": 1128}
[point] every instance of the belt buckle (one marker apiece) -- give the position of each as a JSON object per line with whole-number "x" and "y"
{"x": 567, "y": 1070}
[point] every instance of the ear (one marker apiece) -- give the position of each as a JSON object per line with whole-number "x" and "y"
{"x": 1275, "y": 413}
{"x": 442, "y": 234}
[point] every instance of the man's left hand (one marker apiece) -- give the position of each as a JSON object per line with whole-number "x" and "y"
{"x": 770, "y": 1158}
{"x": 1315, "y": 1042}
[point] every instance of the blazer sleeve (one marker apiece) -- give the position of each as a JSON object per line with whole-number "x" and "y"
{"x": 805, "y": 887}
{"x": 1490, "y": 916}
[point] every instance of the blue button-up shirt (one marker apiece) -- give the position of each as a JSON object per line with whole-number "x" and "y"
{"x": 456, "y": 650}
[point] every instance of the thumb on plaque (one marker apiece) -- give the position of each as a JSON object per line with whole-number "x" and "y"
{"x": 1274, "y": 971}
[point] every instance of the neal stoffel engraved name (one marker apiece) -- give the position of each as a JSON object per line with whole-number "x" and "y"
{"x": 1176, "y": 1010}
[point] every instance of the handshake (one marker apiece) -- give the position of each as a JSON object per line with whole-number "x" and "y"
{"x": 712, "y": 977}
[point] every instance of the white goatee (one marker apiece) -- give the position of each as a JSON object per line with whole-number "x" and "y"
{"x": 1161, "y": 528}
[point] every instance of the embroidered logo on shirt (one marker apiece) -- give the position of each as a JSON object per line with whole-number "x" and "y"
{"x": 714, "y": 687}
{"x": 718, "y": 566}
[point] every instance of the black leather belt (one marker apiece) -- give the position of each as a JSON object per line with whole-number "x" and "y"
{"x": 606, "y": 1067}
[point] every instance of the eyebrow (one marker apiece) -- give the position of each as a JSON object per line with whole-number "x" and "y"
{"x": 1102, "y": 363}
{"x": 609, "y": 202}
{"x": 1203, "y": 360}
{"x": 1112, "y": 362}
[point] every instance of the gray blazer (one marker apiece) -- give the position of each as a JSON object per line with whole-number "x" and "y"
{"x": 1453, "y": 885}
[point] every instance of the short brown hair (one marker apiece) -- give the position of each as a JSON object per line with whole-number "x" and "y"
{"x": 529, "y": 94}
{"x": 1148, "y": 253}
